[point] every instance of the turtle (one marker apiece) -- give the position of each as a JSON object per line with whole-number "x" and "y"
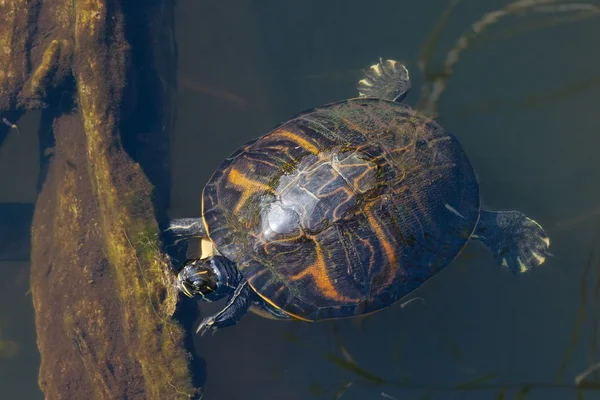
{"x": 344, "y": 210}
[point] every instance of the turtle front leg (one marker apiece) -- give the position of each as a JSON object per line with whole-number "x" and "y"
{"x": 183, "y": 229}
{"x": 236, "y": 307}
{"x": 186, "y": 228}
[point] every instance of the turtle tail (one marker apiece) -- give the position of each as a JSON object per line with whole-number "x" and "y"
{"x": 517, "y": 242}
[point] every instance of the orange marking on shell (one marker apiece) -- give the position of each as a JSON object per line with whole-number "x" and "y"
{"x": 388, "y": 248}
{"x": 279, "y": 291}
{"x": 318, "y": 272}
{"x": 371, "y": 250}
{"x": 354, "y": 126}
{"x": 358, "y": 186}
{"x": 277, "y": 307}
{"x": 347, "y": 168}
{"x": 248, "y": 186}
{"x": 297, "y": 139}
{"x": 342, "y": 204}
{"x": 402, "y": 149}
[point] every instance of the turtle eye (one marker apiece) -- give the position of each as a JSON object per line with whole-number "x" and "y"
{"x": 197, "y": 279}
{"x": 202, "y": 285}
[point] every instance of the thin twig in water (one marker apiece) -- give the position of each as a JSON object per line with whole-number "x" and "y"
{"x": 566, "y": 8}
{"x": 432, "y": 90}
{"x": 581, "y": 377}
{"x": 10, "y": 124}
{"x": 582, "y": 313}
{"x": 342, "y": 390}
{"x": 537, "y": 25}
{"x": 407, "y": 302}
{"x": 428, "y": 48}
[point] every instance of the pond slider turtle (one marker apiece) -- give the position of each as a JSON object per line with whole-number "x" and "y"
{"x": 343, "y": 210}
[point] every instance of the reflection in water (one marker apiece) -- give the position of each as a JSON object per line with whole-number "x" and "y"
{"x": 589, "y": 216}
{"x": 433, "y": 89}
{"x": 8, "y": 348}
{"x": 569, "y": 89}
{"x": 200, "y": 87}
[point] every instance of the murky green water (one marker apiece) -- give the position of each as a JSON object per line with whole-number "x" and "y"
{"x": 523, "y": 101}
{"x": 19, "y": 358}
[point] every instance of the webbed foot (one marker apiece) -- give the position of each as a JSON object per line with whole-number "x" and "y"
{"x": 517, "y": 242}
{"x": 388, "y": 79}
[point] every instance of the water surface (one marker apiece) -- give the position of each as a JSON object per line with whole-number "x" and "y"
{"x": 523, "y": 101}
{"x": 517, "y": 104}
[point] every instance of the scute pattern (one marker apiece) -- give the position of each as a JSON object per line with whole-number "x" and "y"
{"x": 344, "y": 209}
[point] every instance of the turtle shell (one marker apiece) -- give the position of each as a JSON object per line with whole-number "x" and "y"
{"x": 344, "y": 209}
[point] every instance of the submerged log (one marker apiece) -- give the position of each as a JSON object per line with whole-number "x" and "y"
{"x": 102, "y": 288}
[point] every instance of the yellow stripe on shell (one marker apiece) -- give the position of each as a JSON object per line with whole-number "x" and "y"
{"x": 361, "y": 314}
{"x": 297, "y": 139}
{"x": 318, "y": 272}
{"x": 262, "y": 313}
{"x": 248, "y": 186}
{"x": 355, "y": 126}
{"x": 279, "y": 308}
{"x": 388, "y": 248}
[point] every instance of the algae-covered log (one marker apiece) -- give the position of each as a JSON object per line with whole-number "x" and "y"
{"x": 102, "y": 289}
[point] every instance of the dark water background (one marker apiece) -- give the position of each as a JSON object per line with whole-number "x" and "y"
{"x": 524, "y": 102}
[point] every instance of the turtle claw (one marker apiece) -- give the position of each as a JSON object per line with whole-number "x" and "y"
{"x": 207, "y": 324}
{"x": 529, "y": 250}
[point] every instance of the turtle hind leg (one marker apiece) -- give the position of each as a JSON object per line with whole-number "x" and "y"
{"x": 517, "y": 242}
{"x": 386, "y": 80}
{"x": 237, "y": 306}
{"x": 185, "y": 228}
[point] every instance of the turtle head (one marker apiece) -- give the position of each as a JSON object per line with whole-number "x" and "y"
{"x": 210, "y": 278}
